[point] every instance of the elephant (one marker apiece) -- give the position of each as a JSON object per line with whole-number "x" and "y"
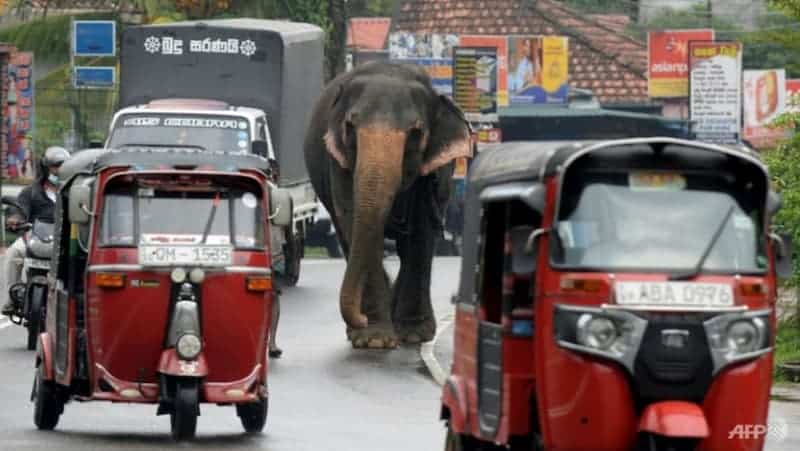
{"x": 380, "y": 150}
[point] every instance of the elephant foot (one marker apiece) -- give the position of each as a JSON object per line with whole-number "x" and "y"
{"x": 377, "y": 336}
{"x": 416, "y": 331}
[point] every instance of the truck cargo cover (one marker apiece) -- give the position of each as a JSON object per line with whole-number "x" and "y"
{"x": 272, "y": 65}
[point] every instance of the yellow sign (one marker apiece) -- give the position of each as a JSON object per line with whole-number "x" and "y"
{"x": 555, "y": 71}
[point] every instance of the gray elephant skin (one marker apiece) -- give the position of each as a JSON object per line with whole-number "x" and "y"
{"x": 380, "y": 150}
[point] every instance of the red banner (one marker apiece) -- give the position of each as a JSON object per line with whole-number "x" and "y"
{"x": 668, "y": 61}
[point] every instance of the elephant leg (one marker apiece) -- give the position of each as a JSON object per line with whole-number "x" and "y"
{"x": 412, "y": 312}
{"x": 380, "y": 332}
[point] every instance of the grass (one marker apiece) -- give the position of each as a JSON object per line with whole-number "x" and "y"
{"x": 787, "y": 345}
{"x": 316, "y": 252}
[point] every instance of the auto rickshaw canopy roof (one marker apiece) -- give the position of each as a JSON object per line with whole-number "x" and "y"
{"x": 150, "y": 158}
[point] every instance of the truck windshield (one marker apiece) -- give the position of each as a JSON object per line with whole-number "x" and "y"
{"x": 659, "y": 222}
{"x": 179, "y": 217}
{"x": 218, "y": 133}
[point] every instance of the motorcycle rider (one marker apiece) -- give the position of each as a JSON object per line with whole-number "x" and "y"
{"x": 37, "y": 201}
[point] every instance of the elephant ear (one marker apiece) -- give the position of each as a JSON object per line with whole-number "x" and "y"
{"x": 450, "y": 137}
{"x": 334, "y": 143}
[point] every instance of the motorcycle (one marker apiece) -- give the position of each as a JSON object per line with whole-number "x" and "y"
{"x": 29, "y": 296}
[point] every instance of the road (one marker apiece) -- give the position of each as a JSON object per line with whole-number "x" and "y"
{"x": 324, "y": 396}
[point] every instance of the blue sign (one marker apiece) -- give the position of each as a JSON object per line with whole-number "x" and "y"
{"x": 94, "y": 38}
{"x": 94, "y": 77}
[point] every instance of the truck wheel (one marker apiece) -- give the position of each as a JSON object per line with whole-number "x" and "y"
{"x": 183, "y": 418}
{"x": 293, "y": 254}
{"x": 35, "y": 316}
{"x": 253, "y": 415}
{"x": 48, "y": 403}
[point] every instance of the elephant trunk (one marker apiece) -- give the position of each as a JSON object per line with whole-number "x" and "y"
{"x": 376, "y": 179}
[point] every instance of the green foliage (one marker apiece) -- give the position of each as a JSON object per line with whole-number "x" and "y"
{"x": 787, "y": 343}
{"x": 604, "y": 6}
{"x": 370, "y": 8}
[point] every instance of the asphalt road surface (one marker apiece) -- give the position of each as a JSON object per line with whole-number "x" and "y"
{"x": 324, "y": 396}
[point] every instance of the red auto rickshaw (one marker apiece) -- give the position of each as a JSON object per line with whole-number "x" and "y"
{"x": 615, "y": 295}
{"x": 161, "y": 285}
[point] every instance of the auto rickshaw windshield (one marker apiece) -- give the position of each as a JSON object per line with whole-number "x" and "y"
{"x": 660, "y": 221}
{"x": 180, "y": 217}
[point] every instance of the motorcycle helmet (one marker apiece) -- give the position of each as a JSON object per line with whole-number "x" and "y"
{"x": 53, "y": 156}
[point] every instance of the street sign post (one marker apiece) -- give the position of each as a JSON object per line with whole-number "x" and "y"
{"x": 94, "y": 38}
{"x": 94, "y": 77}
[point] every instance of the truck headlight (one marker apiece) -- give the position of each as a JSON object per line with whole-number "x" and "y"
{"x": 188, "y": 346}
{"x": 612, "y": 334}
{"x": 734, "y": 337}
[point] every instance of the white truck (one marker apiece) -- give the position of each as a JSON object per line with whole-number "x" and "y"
{"x": 233, "y": 85}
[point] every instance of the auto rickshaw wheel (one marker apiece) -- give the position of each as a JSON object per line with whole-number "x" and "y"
{"x": 35, "y": 317}
{"x": 183, "y": 418}
{"x": 459, "y": 442}
{"x": 253, "y": 415}
{"x": 48, "y": 402}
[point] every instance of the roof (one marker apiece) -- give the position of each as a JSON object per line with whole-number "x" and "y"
{"x": 368, "y": 33}
{"x": 602, "y": 58}
{"x": 616, "y": 22}
{"x": 92, "y": 160}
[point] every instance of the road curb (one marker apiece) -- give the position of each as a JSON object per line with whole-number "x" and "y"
{"x": 435, "y": 369}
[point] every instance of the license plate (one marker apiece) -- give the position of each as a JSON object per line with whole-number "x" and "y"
{"x": 678, "y": 294}
{"x": 185, "y": 255}
{"x": 37, "y": 264}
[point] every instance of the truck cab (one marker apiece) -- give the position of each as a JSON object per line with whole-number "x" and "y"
{"x": 196, "y": 123}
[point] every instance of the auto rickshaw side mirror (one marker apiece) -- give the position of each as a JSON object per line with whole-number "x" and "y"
{"x": 280, "y": 206}
{"x": 80, "y": 198}
{"x": 774, "y": 203}
{"x": 784, "y": 250}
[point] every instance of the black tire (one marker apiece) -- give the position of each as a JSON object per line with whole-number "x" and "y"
{"x": 459, "y": 442}
{"x": 48, "y": 402}
{"x": 332, "y": 245}
{"x": 253, "y": 415}
{"x": 183, "y": 418}
{"x": 292, "y": 254}
{"x": 35, "y": 315}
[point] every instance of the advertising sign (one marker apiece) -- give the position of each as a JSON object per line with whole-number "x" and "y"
{"x": 475, "y": 82}
{"x": 764, "y": 101}
{"x": 715, "y": 90}
{"x": 538, "y": 70}
{"x": 793, "y": 95}
{"x": 668, "y": 61}
{"x": 500, "y": 43}
{"x": 94, "y": 38}
{"x": 19, "y": 117}
{"x": 434, "y": 52}
{"x": 94, "y": 77}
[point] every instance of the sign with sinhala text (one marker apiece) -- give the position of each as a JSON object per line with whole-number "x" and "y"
{"x": 715, "y": 90}
{"x": 475, "y": 82}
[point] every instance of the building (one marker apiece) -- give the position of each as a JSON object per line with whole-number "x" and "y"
{"x": 366, "y": 39}
{"x": 603, "y": 58}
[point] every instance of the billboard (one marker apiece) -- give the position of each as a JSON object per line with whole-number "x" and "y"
{"x": 764, "y": 100}
{"x": 19, "y": 117}
{"x": 501, "y": 44}
{"x": 432, "y": 51}
{"x": 475, "y": 82}
{"x": 538, "y": 70}
{"x": 715, "y": 90}
{"x": 668, "y": 61}
{"x": 793, "y": 95}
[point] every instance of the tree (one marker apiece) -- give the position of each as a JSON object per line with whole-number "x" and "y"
{"x": 370, "y": 8}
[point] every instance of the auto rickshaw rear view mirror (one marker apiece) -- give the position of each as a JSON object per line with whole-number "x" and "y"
{"x": 523, "y": 260}
{"x": 774, "y": 203}
{"x": 784, "y": 250}
{"x": 80, "y": 197}
{"x": 280, "y": 207}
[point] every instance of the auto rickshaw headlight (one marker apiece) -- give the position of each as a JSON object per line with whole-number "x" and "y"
{"x": 596, "y": 331}
{"x": 178, "y": 275}
{"x": 189, "y": 346}
{"x": 612, "y": 334}
{"x": 735, "y": 337}
{"x": 197, "y": 276}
